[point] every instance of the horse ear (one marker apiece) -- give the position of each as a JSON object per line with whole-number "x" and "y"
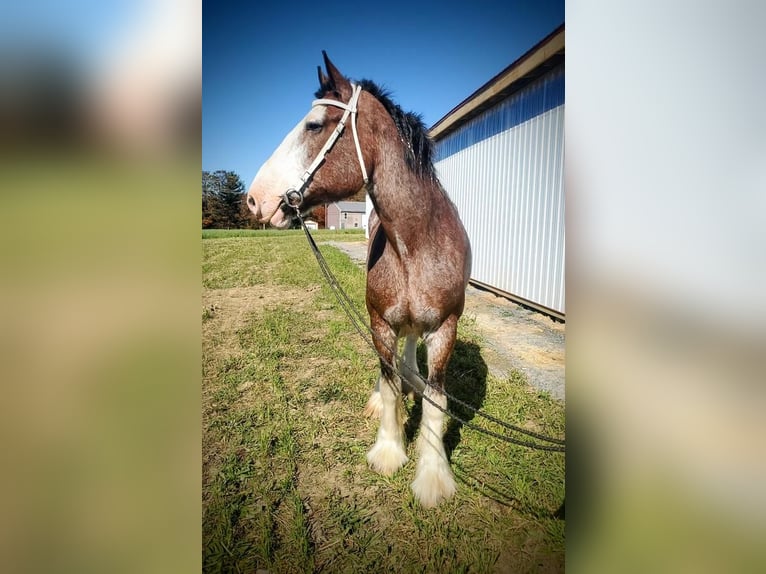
{"x": 324, "y": 81}
{"x": 337, "y": 79}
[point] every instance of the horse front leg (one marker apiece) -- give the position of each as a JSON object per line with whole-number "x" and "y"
{"x": 387, "y": 455}
{"x": 409, "y": 373}
{"x": 433, "y": 479}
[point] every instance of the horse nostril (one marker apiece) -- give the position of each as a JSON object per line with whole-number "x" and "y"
{"x": 253, "y": 205}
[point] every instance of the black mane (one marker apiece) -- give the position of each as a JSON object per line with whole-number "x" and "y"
{"x": 418, "y": 148}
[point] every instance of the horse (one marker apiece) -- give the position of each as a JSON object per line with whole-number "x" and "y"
{"x": 418, "y": 259}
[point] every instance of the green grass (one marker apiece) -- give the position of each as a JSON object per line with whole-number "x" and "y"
{"x": 285, "y": 481}
{"x": 321, "y": 234}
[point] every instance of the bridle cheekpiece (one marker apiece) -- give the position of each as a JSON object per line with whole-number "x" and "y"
{"x": 294, "y": 196}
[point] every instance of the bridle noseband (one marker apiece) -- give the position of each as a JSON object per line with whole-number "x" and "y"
{"x": 294, "y": 196}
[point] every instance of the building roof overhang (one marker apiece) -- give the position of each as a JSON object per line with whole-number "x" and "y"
{"x": 543, "y": 56}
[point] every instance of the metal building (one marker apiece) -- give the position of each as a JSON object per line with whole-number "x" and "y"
{"x": 500, "y": 156}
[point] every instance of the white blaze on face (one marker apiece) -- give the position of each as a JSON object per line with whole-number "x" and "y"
{"x": 283, "y": 170}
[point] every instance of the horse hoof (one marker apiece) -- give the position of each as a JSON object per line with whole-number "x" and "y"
{"x": 433, "y": 485}
{"x": 386, "y": 457}
{"x": 374, "y": 406}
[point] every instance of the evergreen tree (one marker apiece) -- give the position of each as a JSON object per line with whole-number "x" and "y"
{"x": 223, "y": 195}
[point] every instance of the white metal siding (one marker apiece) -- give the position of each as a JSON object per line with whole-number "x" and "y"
{"x": 510, "y": 194}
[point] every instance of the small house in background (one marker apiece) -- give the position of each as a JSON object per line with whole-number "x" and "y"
{"x": 346, "y": 215}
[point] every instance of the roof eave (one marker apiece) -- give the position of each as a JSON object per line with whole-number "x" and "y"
{"x": 549, "y": 50}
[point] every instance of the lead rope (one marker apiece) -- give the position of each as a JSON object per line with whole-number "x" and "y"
{"x": 361, "y": 326}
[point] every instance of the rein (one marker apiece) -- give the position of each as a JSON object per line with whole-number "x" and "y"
{"x": 361, "y": 326}
{"x": 294, "y": 196}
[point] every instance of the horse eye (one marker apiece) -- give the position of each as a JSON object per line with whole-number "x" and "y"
{"x": 314, "y": 127}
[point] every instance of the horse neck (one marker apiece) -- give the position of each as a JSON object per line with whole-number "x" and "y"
{"x": 405, "y": 203}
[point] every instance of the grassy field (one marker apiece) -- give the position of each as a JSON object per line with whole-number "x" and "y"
{"x": 326, "y": 234}
{"x": 286, "y": 487}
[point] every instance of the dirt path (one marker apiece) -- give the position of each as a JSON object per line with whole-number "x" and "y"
{"x": 517, "y": 338}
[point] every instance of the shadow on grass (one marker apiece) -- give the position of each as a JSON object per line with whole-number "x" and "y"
{"x": 467, "y": 381}
{"x": 506, "y": 497}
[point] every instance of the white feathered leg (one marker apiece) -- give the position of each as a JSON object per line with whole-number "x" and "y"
{"x": 433, "y": 479}
{"x": 387, "y": 455}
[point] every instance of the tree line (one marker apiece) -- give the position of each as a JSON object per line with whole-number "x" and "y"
{"x": 224, "y": 203}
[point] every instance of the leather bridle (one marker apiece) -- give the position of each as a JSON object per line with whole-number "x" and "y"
{"x": 295, "y": 196}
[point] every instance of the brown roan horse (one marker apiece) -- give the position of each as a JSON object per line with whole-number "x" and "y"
{"x": 418, "y": 259}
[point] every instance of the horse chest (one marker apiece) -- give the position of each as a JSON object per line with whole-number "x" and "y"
{"x": 404, "y": 302}
{"x": 406, "y": 314}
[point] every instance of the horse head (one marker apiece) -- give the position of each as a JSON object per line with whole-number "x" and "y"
{"x": 325, "y": 158}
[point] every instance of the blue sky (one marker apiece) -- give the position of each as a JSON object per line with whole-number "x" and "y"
{"x": 259, "y": 61}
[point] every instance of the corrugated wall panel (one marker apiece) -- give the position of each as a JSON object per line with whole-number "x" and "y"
{"x": 508, "y": 188}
